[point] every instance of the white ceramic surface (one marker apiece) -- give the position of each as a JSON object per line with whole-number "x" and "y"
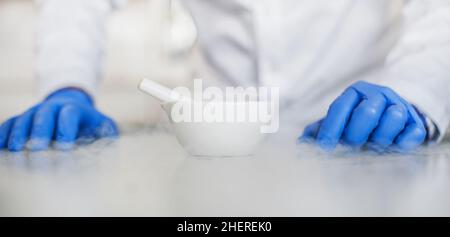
{"x": 159, "y": 91}
{"x": 217, "y": 139}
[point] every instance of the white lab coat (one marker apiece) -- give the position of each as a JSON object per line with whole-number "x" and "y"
{"x": 311, "y": 49}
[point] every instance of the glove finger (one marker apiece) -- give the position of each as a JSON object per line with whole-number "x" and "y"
{"x": 42, "y": 131}
{"x": 394, "y": 98}
{"x": 414, "y": 132}
{"x": 107, "y": 128}
{"x": 364, "y": 120}
{"x": 337, "y": 116}
{"x": 20, "y": 131}
{"x": 310, "y": 132}
{"x": 411, "y": 137}
{"x": 5, "y": 130}
{"x": 67, "y": 127}
{"x": 391, "y": 124}
{"x": 95, "y": 125}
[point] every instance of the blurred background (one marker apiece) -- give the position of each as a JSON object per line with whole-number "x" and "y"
{"x": 146, "y": 38}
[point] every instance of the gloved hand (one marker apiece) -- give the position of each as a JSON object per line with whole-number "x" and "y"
{"x": 64, "y": 116}
{"x": 370, "y": 115}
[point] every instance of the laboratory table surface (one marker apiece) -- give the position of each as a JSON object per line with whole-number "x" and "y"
{"x": 147, "y": 173}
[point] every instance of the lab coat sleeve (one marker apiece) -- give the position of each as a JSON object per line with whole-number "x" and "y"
{"x": 418, "y": 68}
{"x": 70, "y": 42}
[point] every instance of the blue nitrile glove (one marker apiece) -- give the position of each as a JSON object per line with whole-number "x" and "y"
{"x": 370, "y": 115}
{"x": 64, "y": 116}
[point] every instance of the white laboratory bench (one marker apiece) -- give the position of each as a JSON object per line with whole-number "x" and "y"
{"x": 147, "y": 173}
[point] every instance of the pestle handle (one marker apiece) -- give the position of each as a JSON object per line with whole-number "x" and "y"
{"x": 160, "y": 92}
